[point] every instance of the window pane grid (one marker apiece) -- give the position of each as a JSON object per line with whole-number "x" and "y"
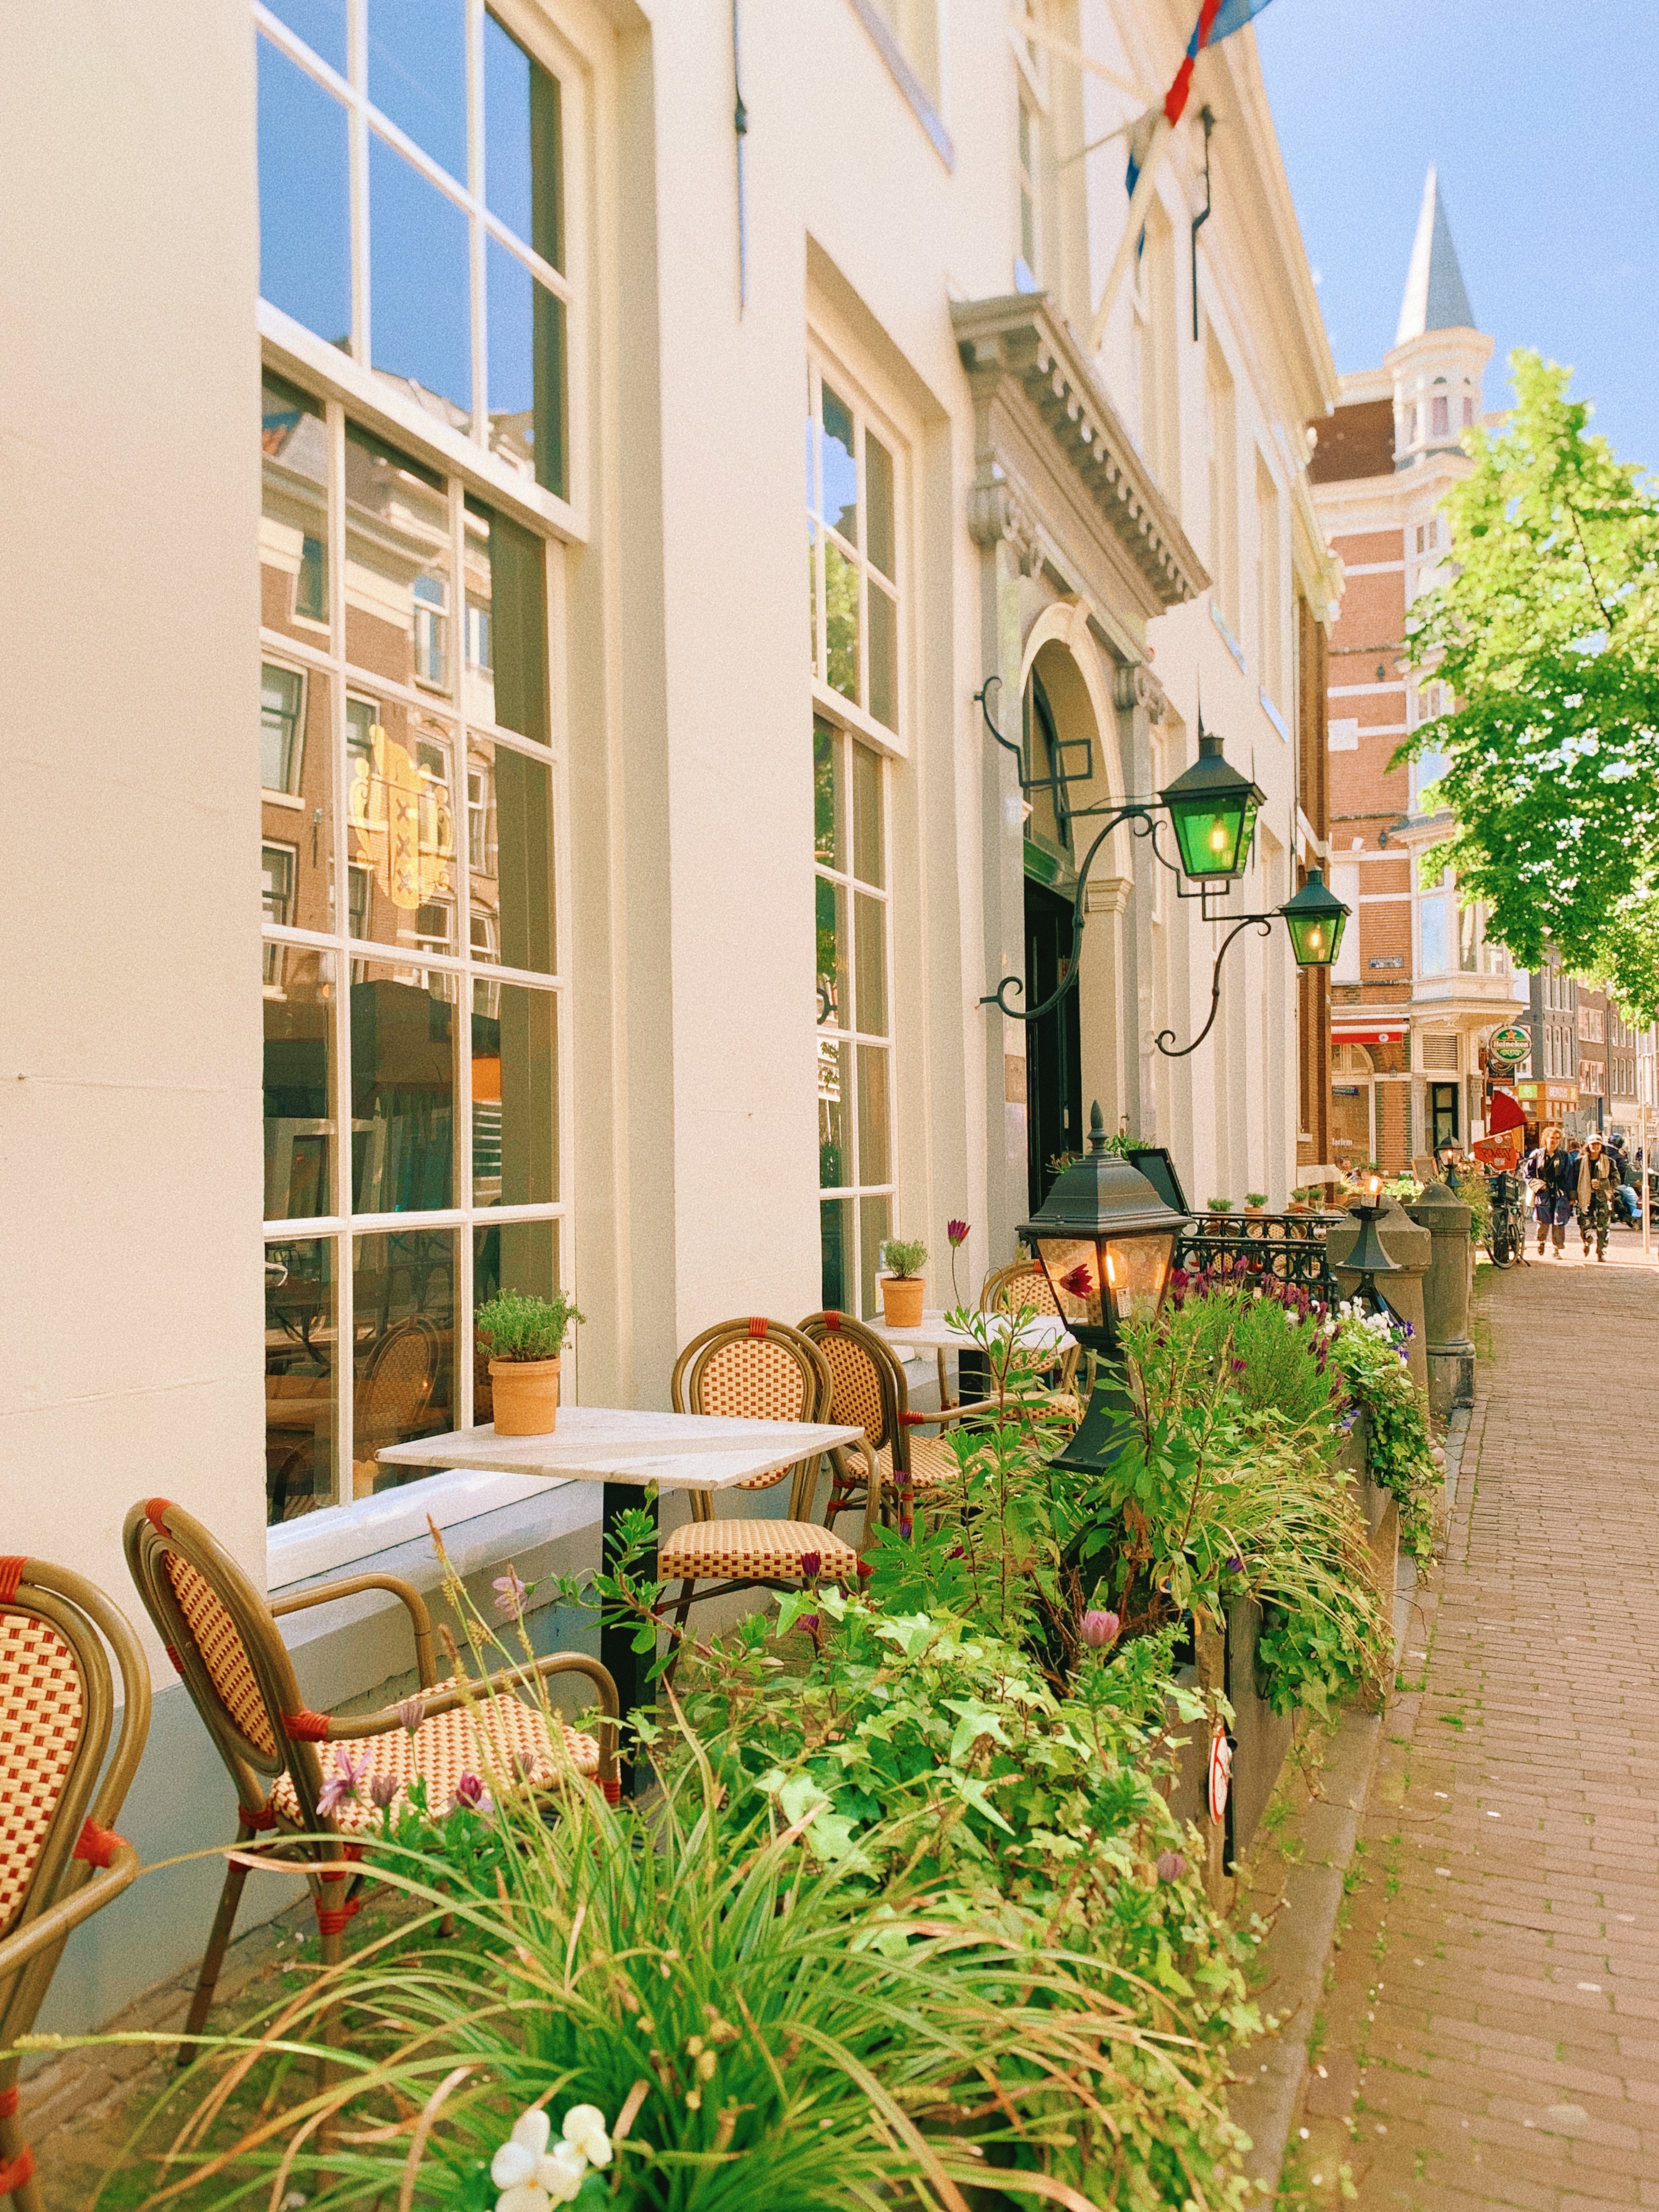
{"x": 854, "y": 1051}
{"x": 333, "y": 160}
{"x": 853, "y": 565}
{"x": 407, "y": 1018}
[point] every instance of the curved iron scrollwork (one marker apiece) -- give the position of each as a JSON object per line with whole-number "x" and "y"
{"x": 1287, "y": 1247}
{"x": 1165, "y": 1038}
{"x": 1142, "y": 821}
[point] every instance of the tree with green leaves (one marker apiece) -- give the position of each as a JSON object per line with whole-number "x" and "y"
{"x": 1547, "y": 632}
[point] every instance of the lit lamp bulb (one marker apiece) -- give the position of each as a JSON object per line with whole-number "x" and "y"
{"x": 1374, "y": 1183}
{"x": 1217, "y": 836}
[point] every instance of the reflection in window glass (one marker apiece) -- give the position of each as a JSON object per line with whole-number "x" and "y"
{"x": 1433, "y": 947}
{"x": 829, "y": 796}
{"x": 279, "y": 861}
{"x": 294, "y": 512}
{"x": 839, "y": 1255}
{"x": 871, "y": 954}
{"x": 298, "y": 1085}
{"x": 841, "y": 621}
{"x": 420, "y": 282}
{"x": 506, "y": 597}
{"x": 841, "y": 473}
{"x": 832, "y": 952}
{"x": 398, "y": 584}
{"x": 875, "y": 1117}
{"x": 834, "y": 1161}
{"x": 301, "y": 1408}
{"x": 884, "y": 658}
{"x": 400, "y": 807}
{"x": 305, "y": 218}
{"x": 869, "y": 855}
{"x": 878, "y": 492}
{"x": 509, "y": 1255}
{"x": 526, "y": 330}
{"x": 875, "y": 1227}
{"x": 403, "y": 1090}
{"x": 515, "y": 1095}
{"x": 523, "y": 171}
{"x": 404, "y": 1364}
{"x": 282, "y": 713}
{"x": 418, "y": 74}
{"x": 516, "y": 884}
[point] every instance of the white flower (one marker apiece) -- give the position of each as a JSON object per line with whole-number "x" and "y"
{"x": 583, "y": 2126}
{"x": 524, "y": 2196}
{"x": 562, "y": 2173}
{"x": 516, "y": 2162}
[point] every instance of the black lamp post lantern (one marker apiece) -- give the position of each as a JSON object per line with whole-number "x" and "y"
{"x": 1105, "y": 1241}
{"x": 1213, "y": 810}
{"x": 1368, "y": 1258}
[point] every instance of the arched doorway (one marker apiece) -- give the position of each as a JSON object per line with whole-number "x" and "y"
{"x": 1053, "y": 1046}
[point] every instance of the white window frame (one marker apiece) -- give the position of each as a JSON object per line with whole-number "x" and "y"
{"x": 456, "y": 973}
{"x": 348, "y": 374}
{"x": 822, "y": 367}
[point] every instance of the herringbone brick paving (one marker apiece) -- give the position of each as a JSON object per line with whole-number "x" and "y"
{"x": 1492, "y": 2026}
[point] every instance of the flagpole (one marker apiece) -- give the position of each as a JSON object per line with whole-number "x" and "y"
{"x": 1139, "y": 205}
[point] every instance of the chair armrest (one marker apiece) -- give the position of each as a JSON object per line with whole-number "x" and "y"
{"x": 948, "y": 1415}
{"x": 57, "y": 1920}
{"x": 351, "y": 1727}
{"x": 413, "y": 1602}
{"x": 872, "y": 1483}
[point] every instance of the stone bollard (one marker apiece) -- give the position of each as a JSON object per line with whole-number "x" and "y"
{"x": 1446, "y": 1297}
{"x": 1412, "y": 1249}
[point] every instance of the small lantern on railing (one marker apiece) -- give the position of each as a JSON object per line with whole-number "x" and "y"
{"x": 1105, "y": 1241}
{"x": 1368, "y": 1259}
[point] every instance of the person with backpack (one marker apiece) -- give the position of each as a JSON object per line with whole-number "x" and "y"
{"x": 1594, "y": 1185}
{"x": 1551, "y": 1170}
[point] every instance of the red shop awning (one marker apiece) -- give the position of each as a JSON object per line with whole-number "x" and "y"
{"x": 1368, "y": 1032}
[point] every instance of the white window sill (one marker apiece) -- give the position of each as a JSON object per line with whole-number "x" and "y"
{"x": 345, "y": 1536}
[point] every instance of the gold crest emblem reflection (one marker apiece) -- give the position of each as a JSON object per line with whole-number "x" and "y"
{"x": 401, "y": 813}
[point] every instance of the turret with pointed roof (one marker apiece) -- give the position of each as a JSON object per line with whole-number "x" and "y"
{"x": 1437, "y": 298}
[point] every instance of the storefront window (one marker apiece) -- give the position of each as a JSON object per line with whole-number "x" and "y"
{"x": 412, "y": 1030}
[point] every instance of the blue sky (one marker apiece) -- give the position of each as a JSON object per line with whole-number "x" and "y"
{"x": 1543, "y": 116}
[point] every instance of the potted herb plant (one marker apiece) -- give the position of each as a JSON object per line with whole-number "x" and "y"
{"x": 901, "y": 1286}
{"x": 1255, "y": 1201}
{"x": 525, "y": 1337}
{"x": 1219, "y": 1208}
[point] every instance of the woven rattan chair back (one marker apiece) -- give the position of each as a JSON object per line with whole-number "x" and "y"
{"x": 398, "y": 1385}
{"x": 755, "y": 1369}
{"x": 60, "y": 1787}
{"x": 867, "y": 1384}
{"x": 221, "y": 1635}
{"x": 1007, "y": 1289}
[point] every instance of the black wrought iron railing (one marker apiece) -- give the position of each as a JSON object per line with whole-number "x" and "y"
{"x": 1288, "y": 1248}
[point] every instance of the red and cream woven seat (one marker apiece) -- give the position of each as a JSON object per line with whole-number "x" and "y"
{"x": 222, "y": 1637}
{"x": 60, "y": 1786}
{"x": 1022, "y": 1287}
{"x": 868, "y": 1391}
{"x": 760, "y": 1371}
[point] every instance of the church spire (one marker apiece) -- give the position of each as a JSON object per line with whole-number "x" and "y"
{"x": 1437, "y": 298}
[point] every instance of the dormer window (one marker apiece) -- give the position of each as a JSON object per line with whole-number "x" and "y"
{"x": 1439, "y": 415}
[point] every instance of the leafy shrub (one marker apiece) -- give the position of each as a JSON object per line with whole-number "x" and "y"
{"x": 1370, "y": 1355}
{"x": 515, "y": 1326}
{"x": 904, "y": 1257}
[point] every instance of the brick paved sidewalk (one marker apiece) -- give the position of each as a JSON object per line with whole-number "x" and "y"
{"x": 1492, "y": 2026}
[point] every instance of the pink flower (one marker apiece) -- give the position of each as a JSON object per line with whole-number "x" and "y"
{"x": 342, "y": 1784}
{"x": 382, "y": 1790}
{"x": 1170, "y": 1866}
{"x": 471, "y": 1793}
{"x": 811, "y": 1565}
{"x": 412, "y": 1713}
{"x": 1100, "y": 1629}
{"x": 957, "y": 1233}
{"x": 1079, "y": 1283}
{"x": 510, "y": 1594}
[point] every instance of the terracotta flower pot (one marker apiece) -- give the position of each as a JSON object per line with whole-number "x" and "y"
{"x": 526, "y": 1396}
{"x": 901, "y": 1300}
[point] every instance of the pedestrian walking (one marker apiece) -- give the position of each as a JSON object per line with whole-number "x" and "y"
{"x": 1594, "y": 1186}
{"x": 1550, "y": 1169}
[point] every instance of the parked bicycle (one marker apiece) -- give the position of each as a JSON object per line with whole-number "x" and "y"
{"x": 1506, "y": 1233}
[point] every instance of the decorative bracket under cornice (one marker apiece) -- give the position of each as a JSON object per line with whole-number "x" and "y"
{"x": 1018, "y": 342}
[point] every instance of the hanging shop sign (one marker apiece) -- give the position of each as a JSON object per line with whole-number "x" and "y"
{"x": 1511, "y": 1044}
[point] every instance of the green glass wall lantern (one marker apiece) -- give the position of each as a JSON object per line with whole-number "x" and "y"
{"x": 1316, "y": 919}
{"x": 1105, "y": 1241}
{"x": 1213, "y": 810}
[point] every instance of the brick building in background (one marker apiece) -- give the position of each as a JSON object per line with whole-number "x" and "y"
{"x": 1418, "y": 989}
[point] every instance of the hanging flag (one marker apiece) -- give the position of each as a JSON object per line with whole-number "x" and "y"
{"x": 1217, "y": 20}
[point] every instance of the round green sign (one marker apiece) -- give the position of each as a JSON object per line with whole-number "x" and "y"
{"x": 1511, "y": 1044}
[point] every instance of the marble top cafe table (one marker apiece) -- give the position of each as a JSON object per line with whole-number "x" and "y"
{"x": 626, "y": 1450}
{"x": 1041, "y": 1333}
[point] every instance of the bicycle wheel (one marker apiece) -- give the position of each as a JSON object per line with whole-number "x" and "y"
{"x": 1503, "y": 1243}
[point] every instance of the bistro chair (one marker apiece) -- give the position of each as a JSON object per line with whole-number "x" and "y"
{"x": 59, "y": 1859}
{"x": 758, "y": 1370}
{"x": 222, "y": 1637}
{"x": 394, "y": 1398}
{"x": 869, "y": 1391}
{"x": 1020, "y": 1285}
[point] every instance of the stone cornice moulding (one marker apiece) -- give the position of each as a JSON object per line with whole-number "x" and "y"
{"x": 1017, "y": 343}
{"x": 1137, "y": 686}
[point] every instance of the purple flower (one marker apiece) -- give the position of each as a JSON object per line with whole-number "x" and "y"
{"x": 1100, "y": 1629}
{"x": 382, "y": 1790}
{"x": 955, "y": 1233}
{"x": 1170, "y": 1866}
{"x": 1235, "y": 1565}
{"x": 471, "y": 1793}
{"x": 510, "y": 1594}
{"x": 810, "y": 1622}
{"x": 1239, "y": 1366}
{"x": 342, "y": 1784}
{"x": 412, "y": 1713}
{"x": 811, "y": 1565}
{"x": 1079, "y": 1283}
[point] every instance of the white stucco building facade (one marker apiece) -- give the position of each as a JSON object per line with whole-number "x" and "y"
{"x": 619, "y": 914}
